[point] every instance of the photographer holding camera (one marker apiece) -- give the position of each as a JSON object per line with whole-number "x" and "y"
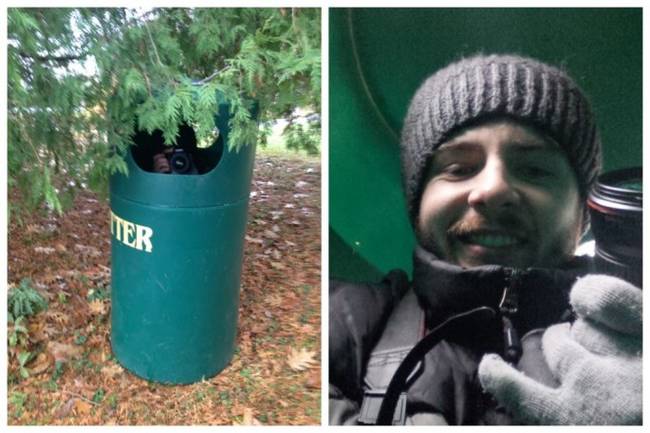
{"x": 501, "y": 322}
{"x": 174, "y": 160}
{"x": 161, "y": 161}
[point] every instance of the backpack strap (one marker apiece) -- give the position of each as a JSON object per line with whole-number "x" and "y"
{"x": 404, "y": 328}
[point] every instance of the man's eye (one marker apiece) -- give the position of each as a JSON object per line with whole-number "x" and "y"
{"x": 535, "y": 172}
{"x": 459, "y": 170}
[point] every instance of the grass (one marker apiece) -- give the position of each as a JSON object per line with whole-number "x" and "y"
{"x": 276, "y": 147}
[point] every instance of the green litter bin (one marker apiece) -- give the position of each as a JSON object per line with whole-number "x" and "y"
{"x": 177, "y": 247}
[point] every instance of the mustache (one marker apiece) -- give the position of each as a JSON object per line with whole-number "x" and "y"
{"x": 508, "y": 223}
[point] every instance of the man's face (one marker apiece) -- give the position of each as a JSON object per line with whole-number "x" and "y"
{"x": 500, "y": 193}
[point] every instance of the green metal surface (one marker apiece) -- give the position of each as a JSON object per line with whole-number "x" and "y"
{"x": 379, "y": 57}
{"x": 176, "y": 270}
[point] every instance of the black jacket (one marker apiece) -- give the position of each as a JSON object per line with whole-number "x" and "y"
{"x": 373, "y": 326}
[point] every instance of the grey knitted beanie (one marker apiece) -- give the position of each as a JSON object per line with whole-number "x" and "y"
{"x": 483, "y": 87}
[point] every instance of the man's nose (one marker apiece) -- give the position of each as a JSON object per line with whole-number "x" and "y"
{"x": 493, "y": 189}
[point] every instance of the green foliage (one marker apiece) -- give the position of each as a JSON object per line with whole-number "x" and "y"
{"x": 18, "y": 400}
{"x": 59, "y": 367}
{"x": 24, "y": 300}
{"x": 98, "y": 294}
{"x": 23, "y": 359}
{"x": 79, "y": 338}
{"x": 98, "y": 396}
{"x": 303, "y": 136}
{"x": 17, "y": 332}
{"x": 80, "y": 81}
{"x": 62, "y": 298}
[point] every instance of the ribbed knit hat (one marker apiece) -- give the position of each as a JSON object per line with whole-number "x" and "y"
{"x": 484, "y": 87}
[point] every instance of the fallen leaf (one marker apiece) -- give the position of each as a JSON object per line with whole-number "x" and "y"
{"x": 300, "y": 360}
{"x": 82, "y": 407}
{"x": 313, "y": 381}
{"x": 52, "y": 278}
{"x": 278, "y": 265}
{"x": 96, "y": 340}
{"x": 270, "y": 234}
{"x": 42, "y": 362}
{"x": 254, "y": 240}
{"x": 248, "y": 418}
{"x": 63, "y": 352}
{"x": 112, "y": 370}
{"x": 64, "y": 410}
{"x": 274, "y": 300}
{"x": 44, "y": 250}
{"x": 40, "y": 332}
{"x": 33, "y": 228}
{"x": 104, "y": 271}
{"x": 87, "y": 250}
{"x": 80, "y": 384}
{"x": 97, "y": 307}
{"x": 57, "y": 316}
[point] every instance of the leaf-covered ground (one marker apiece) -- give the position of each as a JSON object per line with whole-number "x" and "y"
{"x": 274, "y": 377}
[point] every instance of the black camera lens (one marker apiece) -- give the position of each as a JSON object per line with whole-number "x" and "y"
{"x": 616, "y": 209}
{"x": 180, "y": 163}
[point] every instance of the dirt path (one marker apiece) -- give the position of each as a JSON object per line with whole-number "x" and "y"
{"x": 274, "y": 377}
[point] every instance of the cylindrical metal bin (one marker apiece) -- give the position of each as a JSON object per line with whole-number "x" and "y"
{"x": 177, "y": 246}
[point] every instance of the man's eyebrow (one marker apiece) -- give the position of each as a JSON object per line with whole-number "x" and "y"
{"x": 535, "y": 146}
{"x": 458, "y": 145}
{"x": 515, "y": 145}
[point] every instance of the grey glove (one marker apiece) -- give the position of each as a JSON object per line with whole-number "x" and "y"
{"x": 597, "y": 362}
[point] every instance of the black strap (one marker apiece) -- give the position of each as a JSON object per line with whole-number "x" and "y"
{"x": 397, "y": 383}
{"x": 404, "y": 328}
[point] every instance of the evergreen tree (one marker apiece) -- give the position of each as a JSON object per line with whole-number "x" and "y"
{"x": 82, "y": 81}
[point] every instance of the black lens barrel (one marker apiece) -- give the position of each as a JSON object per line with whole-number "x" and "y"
{"x": 616, "y": 209}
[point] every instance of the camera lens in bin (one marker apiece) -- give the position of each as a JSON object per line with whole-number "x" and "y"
{"x": 181, "y": 162}
{"x": 616, "y": 209}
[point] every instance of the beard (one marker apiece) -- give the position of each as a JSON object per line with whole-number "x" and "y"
{"x": 532, "y": 249}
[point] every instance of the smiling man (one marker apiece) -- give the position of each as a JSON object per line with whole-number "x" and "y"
{"x": 498, "y": 155}
{"x": 490, "y": 192}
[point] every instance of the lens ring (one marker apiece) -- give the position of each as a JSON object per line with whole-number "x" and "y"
{"x": 183, "y": 160}
{"x": 613, "y": 193}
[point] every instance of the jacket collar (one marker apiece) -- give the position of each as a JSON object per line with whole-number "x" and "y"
{"x": 444, "y": 289}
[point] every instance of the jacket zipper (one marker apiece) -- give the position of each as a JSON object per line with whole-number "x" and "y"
{"x": 508, "y": 307}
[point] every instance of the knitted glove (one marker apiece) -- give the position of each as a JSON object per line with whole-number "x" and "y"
{"x": 597, "y": 362}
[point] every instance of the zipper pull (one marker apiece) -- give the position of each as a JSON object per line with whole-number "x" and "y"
{"x": 509, "y": 306}
{"x": 512, "y": 344}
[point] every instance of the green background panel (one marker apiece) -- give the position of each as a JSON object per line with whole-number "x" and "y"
{"x": 379, "y": 57}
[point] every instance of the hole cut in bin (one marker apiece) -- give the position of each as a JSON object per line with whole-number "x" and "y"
{"x": 184, "y": 158}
